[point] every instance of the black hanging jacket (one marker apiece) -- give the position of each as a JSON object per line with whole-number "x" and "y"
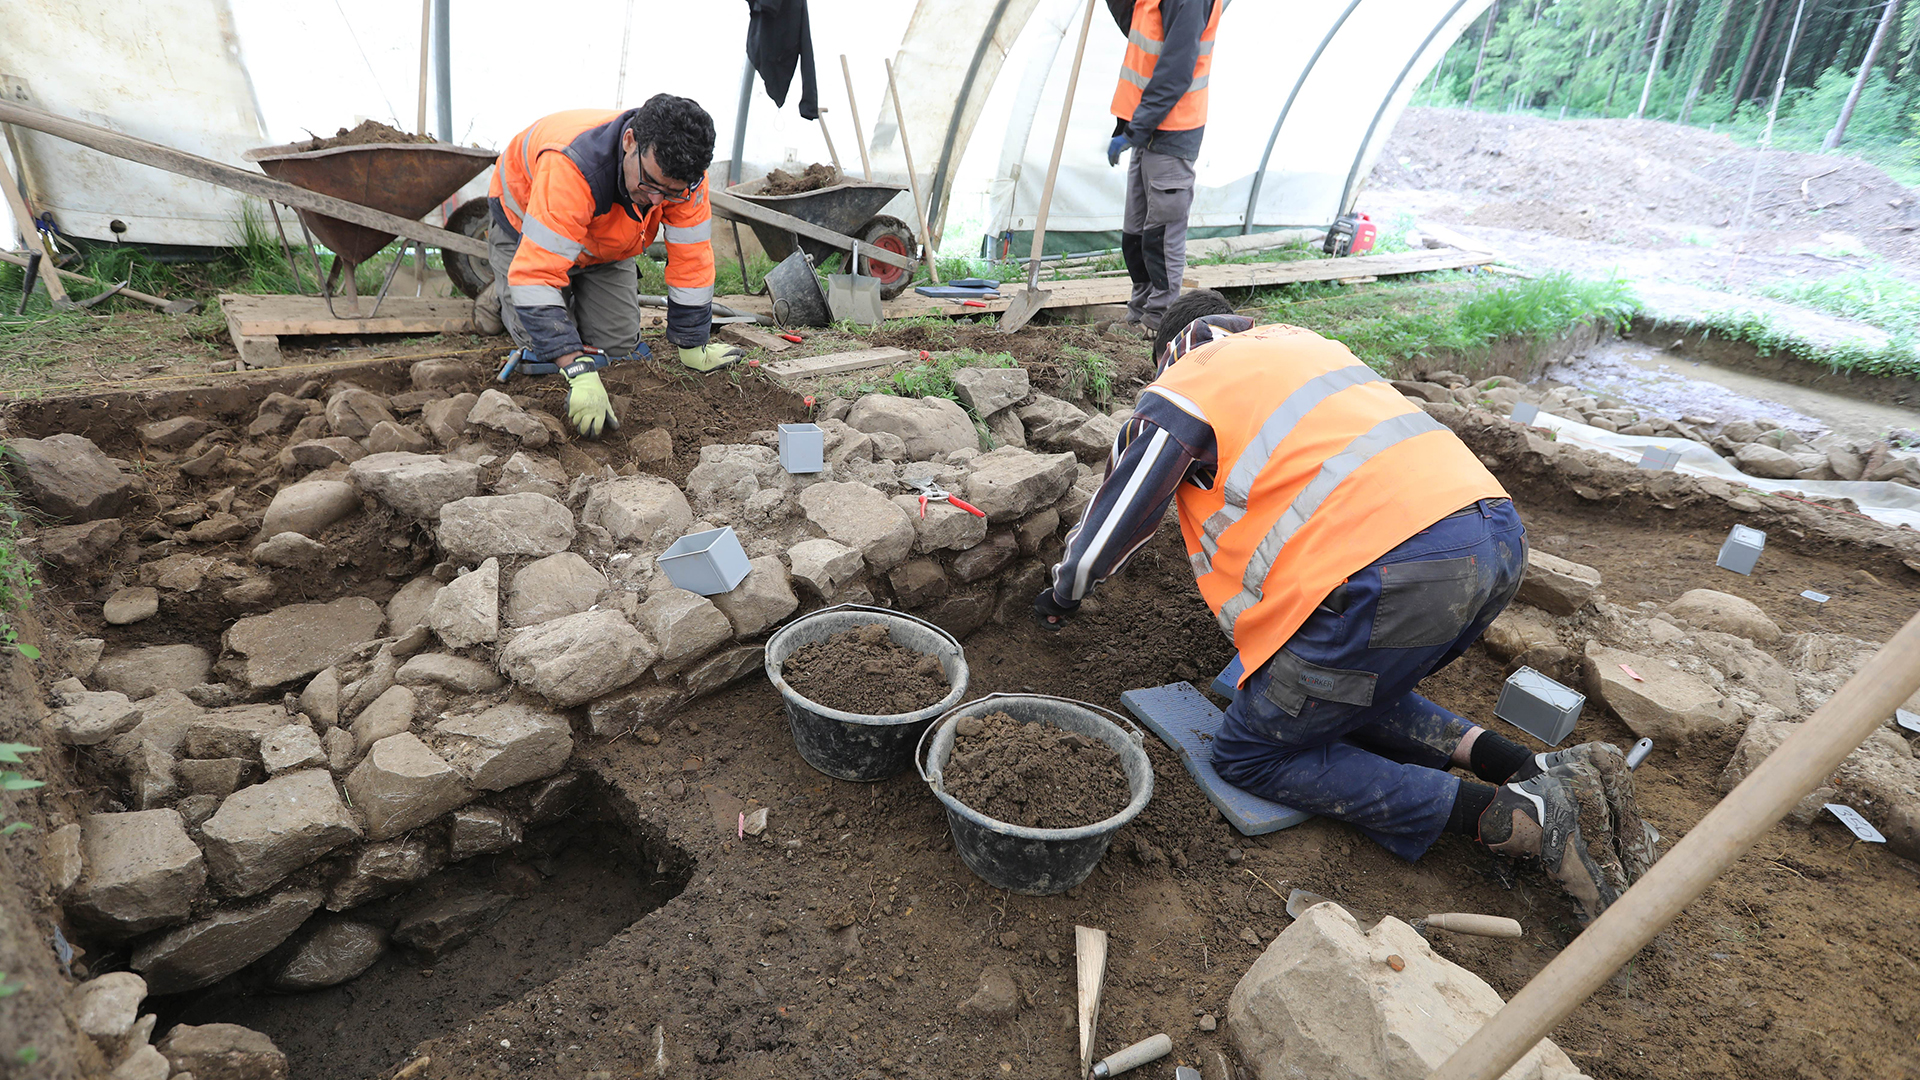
{"x": 777, "y": 37}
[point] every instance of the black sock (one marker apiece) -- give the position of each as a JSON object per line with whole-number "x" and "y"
{"x": 1472, "y": 801}
{"x": 1495, "y": 759}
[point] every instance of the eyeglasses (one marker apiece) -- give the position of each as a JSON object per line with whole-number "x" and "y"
{"x": 681, "y": 195}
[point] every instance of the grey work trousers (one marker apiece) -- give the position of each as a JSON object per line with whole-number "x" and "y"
{"x": 603, "y": 299}
{"x": 1153, "y": 237}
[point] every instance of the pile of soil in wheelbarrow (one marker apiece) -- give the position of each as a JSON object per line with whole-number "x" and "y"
{"x": 1034, "y": 774}
{"x": 864, "y": 671}
{"x": 813, "y": 178}
{"x": 366, "y": 133}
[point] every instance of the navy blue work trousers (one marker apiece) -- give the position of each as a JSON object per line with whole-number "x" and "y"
{"x": 1331, "y": 725}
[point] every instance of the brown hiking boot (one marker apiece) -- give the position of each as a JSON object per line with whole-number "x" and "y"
{"x": 1542, "y": 818}
{"x": 1634, "y": 840}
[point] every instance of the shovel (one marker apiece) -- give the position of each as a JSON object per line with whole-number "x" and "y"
{"x": 854, "y": 296}
{"x": 1026, "y": 304}
{"x": 1493, "y": 926}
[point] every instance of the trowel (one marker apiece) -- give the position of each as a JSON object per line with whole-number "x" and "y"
{"x": 1459, "y": 922}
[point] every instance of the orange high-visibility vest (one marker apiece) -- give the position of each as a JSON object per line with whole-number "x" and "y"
{"x": 1323, "y": 468}
{"x": 1144, "y": 42}
{"x": 541, "y": 180}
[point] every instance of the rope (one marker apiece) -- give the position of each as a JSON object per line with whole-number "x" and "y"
{"x": 120, "y": 384}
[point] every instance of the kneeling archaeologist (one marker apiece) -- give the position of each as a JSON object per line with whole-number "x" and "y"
{"x": 575, "y": 198}
{"x": 1349, "y": 545}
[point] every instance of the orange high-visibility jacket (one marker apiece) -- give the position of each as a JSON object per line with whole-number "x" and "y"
{"x": 1145, "y": 40}
{"x": 1323, "y": 468}
{"x": 560, "y": 186}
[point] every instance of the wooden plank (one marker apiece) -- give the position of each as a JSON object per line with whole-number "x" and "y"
{"x": 280, "y": 316}
{"x": 788, "y": 371}
{"x": 224, "y": 175}
{"x": 1090, "y": 962}
{"x": 742, "y": 334}
{"x": 23, "y": 220}
{"x": 733, "y": 206}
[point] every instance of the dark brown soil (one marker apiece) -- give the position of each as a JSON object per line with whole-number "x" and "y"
{"x": 812, "y": 178}
{"x": 1034, "y": 774}
{"x": 865, "y": 672}
{"x": 365, "y": 133}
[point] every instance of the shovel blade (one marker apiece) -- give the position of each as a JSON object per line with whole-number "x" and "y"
{"x": 1021, "y": 309}
{"x": 1299, "y": 900}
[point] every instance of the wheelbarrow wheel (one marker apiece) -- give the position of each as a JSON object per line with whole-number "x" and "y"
{"x": 891, "y": 235}
{"x": 469, "y": 273}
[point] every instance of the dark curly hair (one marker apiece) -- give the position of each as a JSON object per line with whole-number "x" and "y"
{"x": 1193, "y": 304}
{"x": 680, "y": 133}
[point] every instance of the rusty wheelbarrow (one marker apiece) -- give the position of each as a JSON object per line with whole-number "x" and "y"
{"x": 405, "y": 179}
{"x": 850, "y": 209}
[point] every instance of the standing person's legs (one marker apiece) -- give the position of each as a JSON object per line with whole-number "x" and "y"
{"x": 1169, "y": 198}
{"x": 502, "y": 242}
{"x": 1330, "y": 724}
{"x": 606, "y": 308}
{"x": 1132, "y": 251}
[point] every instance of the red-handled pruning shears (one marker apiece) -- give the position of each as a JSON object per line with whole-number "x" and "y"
{"x": 932, "y": 492}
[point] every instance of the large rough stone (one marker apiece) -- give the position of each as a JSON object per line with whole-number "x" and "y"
{"x": 143, "y": 872}
{"x": 416, "y": 485}
{"x": 322, "y": 453}
{"x": 484, "y": 526}
{"x": 291, "y": 748}
{"x": 1881, "y": 780}
{"x": 77, "y": 547}
{"x": 402, "y": 784}
{"x": 340, "y": 949}
{"x": 685, "y": 625}
{"x": 174, "y": 434}
{"x": 984, "y": 559}
{"x": 576, "y": 658}
{"x": 467, "y": 612}
{"x": 89, "y": 718}
{"x": 1322, "y": 1001}
{"x": 391, "y": 437}
{"x": 290, "y": 551}
{"x": 1749, "y": 674}
{"x": 639, "y": 511}
{"x": 1092, "y": 441}
{"x": 447, "y": 923}
{"x": 263, "y": 833}
{"x": 379, "y": 869}
{"x": 1009, "y": 483}
{"x": 497, "y": 411}
{"x": 299, "y": 640}
{"x": 446, "y": 419}
{"x": 68, "y": 477}
{"x": 144, "y": 1063}
{"x": 214, "y": 778}
{"x": 308, "y": 507}
{"x": 825, "y": 565}
{"x": 615, "y": 714}
{"x": 1004, "y": 429}
{"x": 917, "y": 582}
{"x": 106, "y": 1007}
{"x": 563, "y": 584}
{"x": 223, "y": 1052}
{"x": 1518, "y": 629}
{"x": 204, "y": 952}
{"x": 456, "y": 673}
{"x": 861, "y": 518}
{"x": 762, "y": 598}
{"x": 128, "y": 606}
{"x": 481, "y": 830}
{"x": 928, "y": 425}
{"x": 988, "y": 390}
{"x": 531, "y": 472}
{"x": 1759, "y": 459}
{"x": 1556, "y": 585}
{"x": 1048, "y": 420}
{"x": 353, "y": 412}
{"x": 140, "y": 673}
{"x": 724, "y": 668}
{"x": 505, "y": 745}
{"x": 1726, "y": 613}
{"x": 233, "y": 732}
{"x": 389, "y": 714}
{"x": 321, "y": 698}
{"x": 1664, "y": 704}
{"x": 945, "y": 528}
{"x": 410, "y": 603}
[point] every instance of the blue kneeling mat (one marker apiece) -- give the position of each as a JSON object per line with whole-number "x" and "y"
{"x": 1228, "y": 680}
{"x": 1185, "y": 720}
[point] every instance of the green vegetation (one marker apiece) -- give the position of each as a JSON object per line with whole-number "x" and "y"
{"x": 1871, "y": 296}
{"x": 1089, "y": 375}
{"x": 1899, "y": 357}
{"x": 1452, "y": 314}
{"x": 17, "y": 582}
{"x": 935, "y": 377}
{"x": 1714, "y": 62}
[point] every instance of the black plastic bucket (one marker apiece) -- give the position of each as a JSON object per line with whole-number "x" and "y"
{"x": 797, "y": 297}
{"x": 852, "y": 746}
{"x": 1037, "y": 862}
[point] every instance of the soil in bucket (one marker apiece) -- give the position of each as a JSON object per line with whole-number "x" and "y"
{"x": 1033, "y": 774}
{"x": 863, "y": 671}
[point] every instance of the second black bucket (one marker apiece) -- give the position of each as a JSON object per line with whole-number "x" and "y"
{"x": 852, "y": 746}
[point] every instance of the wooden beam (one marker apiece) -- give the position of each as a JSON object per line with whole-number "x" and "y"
{"x": 23, "y": 220}
{"x": 227, "y": 176}
{"x": 741, "y": 334}
{"x": 786, "y": 372}
{"x": 279, "y": 316}
{"x": 733, "y": 206}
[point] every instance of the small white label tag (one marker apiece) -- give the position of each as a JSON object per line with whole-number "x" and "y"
{"x": 1816, "y": 597}
{"x": 1907, "y": 720}
{"x": 1860, "y": 826}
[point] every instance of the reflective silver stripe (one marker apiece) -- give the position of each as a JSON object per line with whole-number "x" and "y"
{"x": 1144, "y": 43}
{"x": 1125, "y": 499}
{"x": 1127, "y": 74}
{"x": 540, "y": 233}
{"x": 1199, "y": 84}
{"x": 1266, "y": 442}
{"x": 690, "y": 234}
{"x": 1206, "y": 48}
{"x": 695, "y": 297}
{"x": 1333, "y": 472}
{"x": 535, "y": 296}
{"x": 1184, "y": 403}
{"x": 513, "y": 204}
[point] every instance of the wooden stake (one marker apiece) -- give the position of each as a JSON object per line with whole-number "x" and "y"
{"x": 1090, "y": 952}
{"x": 913, "y": 184}
{"x": 23, "y": 219}
{"x": 859, "y": 133}
{"x": 426, "y": 48}
{"x": 831, "y": 152}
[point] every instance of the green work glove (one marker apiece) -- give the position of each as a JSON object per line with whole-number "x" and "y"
{"x": 710, "y": 356}
{"x": 588, "y": 407}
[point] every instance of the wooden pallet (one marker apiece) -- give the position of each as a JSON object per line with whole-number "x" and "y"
{"x": 257, "y": 323}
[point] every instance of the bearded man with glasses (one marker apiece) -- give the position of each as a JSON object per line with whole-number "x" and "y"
{"x": 575, "y": 198}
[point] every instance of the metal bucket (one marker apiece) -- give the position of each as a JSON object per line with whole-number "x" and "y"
{"x": 853, "y": 746}
{"x": 1036, "y": 862}
{"x": 797, "y": 299}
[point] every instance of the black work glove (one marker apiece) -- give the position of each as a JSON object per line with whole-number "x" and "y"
{"x": 1050, "y": 612}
